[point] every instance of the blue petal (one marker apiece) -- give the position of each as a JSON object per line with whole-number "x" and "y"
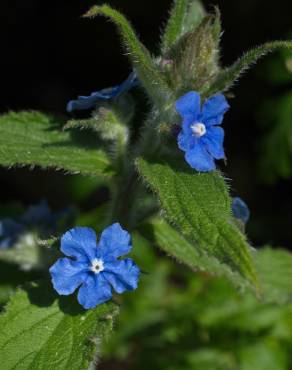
{"x": 67, "y": 275}
{"x": 122, "y": 274}
{"x": 185, "y": 137}
{"x": 214, "y": 109}
{"x": 213, "y": 142}
{"x": 80, "y": 243}
{"x": 131, "y": 82}
{"x": 95, "y": 290}
{"x": 114, "y": 242}
{"x": 199, "y": 159}
{"x": 240, "y": 210}
{"x": 189, "y": 105}
{"x": 87, "y": 102}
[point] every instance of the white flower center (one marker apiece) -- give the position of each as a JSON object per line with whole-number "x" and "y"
{"x": 97, "y": 266}
{"x": 198, "y": 129}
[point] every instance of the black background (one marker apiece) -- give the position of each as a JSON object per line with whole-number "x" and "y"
{"x": 49, "y": 55}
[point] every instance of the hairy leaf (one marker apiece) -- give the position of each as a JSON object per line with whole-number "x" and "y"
{"x": 39, "y": 332}
{"x": 32, "y": 138}
{"x": 140, "y": 57}
{"x": 184, "y": 16}
{"x": 228, "y": 76}
{"x": 200, "y": 206}
{"x": 174, "y": 244}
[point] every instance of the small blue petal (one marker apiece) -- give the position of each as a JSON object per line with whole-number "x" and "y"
{"x": 213, "y": 142}
{"x": 122, "y": 275}
{"x": 214, "y": 109}
{"x": 95, "y": 290}
{"x": 87, "y": 102}
{"x": 199, "y": 159}
{"x": 240, "y": 210}
{"x": 68, "y": 275}
{"x": 185, "y": 138}
{"x": 114, "y": 242}
{"x": 189, "y": 105}
{"x": 80, "y": 243}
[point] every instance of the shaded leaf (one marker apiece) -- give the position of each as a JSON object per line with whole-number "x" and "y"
{"x": 32, "y": 138}
{"x": 40, "y": 332}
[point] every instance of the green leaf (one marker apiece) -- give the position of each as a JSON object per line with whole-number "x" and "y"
{"x": 34, "y": 139}
{"x": 184, "y": 16}
{"x": 175, "y": 245}
{"x": 275, "y": 274}
{"x": 39, "y": 332}
{"x": 228, "y": 76}
{"x": 265, "y": 355}
{"x": 148, "y": 73}
{"x": 200, "y": 206}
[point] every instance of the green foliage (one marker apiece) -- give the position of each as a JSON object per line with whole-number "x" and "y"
{"x": 175, "y": 245}
{"x": 275, "y": 274}
{"x": 185, "y": 16}
{"x": 34, "y": 139}
{"x": 109, "y": 125}
{"x": 140, "y": 57}
{"x": 276, "y": 148}
{"x": 228, "y": 76}
{"x": 200, "y": 207}
{"x": 180, "y": 320}
{"x": 40, "y": 332}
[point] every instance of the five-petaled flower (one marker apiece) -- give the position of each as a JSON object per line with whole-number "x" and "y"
{"x": 200, "y": 137}
{"x": 95, "y": 268}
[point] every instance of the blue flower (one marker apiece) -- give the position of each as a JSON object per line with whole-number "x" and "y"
{"x": 10, "y": 231}
{"x": 95, "y": 268}
{"x": 200, "y": 138}
{"x": 240, "y": 210}
{"x": 87, "y": 102}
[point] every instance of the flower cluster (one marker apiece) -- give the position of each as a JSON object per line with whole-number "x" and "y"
{"x": 95, "y": 268}
{"x": 201, "y": 138}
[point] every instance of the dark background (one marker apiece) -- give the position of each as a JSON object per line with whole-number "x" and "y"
{"x": 49, "y": 55}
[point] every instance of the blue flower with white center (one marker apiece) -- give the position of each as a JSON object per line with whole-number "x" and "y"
{"x": 87, "y": 102}
{"x": 201, "y": 138}
{"x": 95, "y": 268}
{"x": 240, "y": 210}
